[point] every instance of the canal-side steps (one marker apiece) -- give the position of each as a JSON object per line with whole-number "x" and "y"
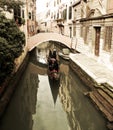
{"x": 103, "y": 98}
{"x": 99, "y": 79}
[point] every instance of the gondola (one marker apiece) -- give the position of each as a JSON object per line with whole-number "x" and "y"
{"x": 54, "y": 75}
{"x": 53, "y": 69}
{"x": 53, "y": 66}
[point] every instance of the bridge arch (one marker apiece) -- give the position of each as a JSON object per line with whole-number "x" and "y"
{"x": 44, "y": 37}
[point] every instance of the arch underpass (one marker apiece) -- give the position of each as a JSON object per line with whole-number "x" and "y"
{"x": 43, "y": 37}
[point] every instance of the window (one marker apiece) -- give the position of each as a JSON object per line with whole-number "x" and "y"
{"x": 75, "y": 14}
{"x": 82, "y": 31}
{"x": 33, "y": 0}
{"x": 54, "y": 3}
{"x": 74, "y": 31}
{"x": 23, "y": 14}
{"x": 17, "y": 15}
{"x": 65, "y": 14}
{"x": 29, "y": 15}
{"x": 108, "y": 38}
{"x": 17, "y": 12}
{"x": 57, "y": 15}
{"x": 85, "y": 0}
{"x": 57, "y": 1}
{"x": 85, "y": 31}
{"x": 70, "y": 12}
{"x": 33, "y": 16}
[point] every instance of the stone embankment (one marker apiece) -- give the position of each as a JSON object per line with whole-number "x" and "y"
{"x": 99, "y": 80}
{"x": 7, "y": 89}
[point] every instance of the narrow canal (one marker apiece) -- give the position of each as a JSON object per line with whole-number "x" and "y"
{"x": 41, "y": 104}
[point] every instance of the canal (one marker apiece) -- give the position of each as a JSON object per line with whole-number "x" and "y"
{"x": 38, "y": 103}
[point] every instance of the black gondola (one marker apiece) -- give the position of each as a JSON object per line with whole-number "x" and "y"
{"x": 53, "y": 67}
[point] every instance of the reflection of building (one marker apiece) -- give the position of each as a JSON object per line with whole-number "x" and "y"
{"x": 80, "y": 112}
{"x": 28, "y": 98}
{"x": 65, "y": 97}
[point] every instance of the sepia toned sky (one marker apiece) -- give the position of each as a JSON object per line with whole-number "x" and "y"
{"x": 41, "y": 5}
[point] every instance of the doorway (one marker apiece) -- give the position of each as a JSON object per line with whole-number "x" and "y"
{"x": 97, "y": 40}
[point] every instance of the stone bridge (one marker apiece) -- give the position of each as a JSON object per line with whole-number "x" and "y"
{"x": 43, "y": 37}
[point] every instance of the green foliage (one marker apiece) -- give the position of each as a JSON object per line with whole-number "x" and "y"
{"x": 12, "y": 41}
{"x": 6, "y": 60}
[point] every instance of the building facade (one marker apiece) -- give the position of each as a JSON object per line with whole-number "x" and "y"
{"x": 25, "y": 16}
{"x": 87, "y": 22}
{"x": 31, "y": 17}
{"x": 58, "y": 16}
{"x": 94, "y": 27}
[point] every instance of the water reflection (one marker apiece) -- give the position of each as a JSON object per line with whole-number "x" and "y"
{"x": 23, "y": 104}
{"x": 54, "y": 85}
{"x": 80, "y": 112}
{"x": 41, "y": 55}
{"x": 49, "y": 116}
{"x": 41, "y": 104}
{"x": 49, "y": 113}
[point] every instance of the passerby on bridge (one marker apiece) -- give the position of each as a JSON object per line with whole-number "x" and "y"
{"x": 43, "y": 37}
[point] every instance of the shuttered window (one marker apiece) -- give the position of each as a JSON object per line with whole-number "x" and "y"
{"x": 108, "y": 38}
{"x": 65, "y": 14}
{"x": 84, "y": 34}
